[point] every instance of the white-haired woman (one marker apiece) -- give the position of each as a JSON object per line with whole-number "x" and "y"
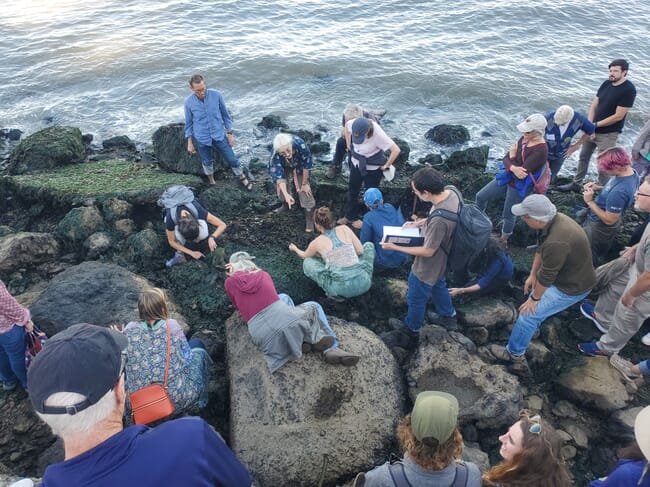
{"x": 526, "y": 157}
{"x": 292, "y": 160}
{"x": 281, "y": 330}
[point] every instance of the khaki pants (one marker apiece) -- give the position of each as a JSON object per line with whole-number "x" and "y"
{"x": 621, "y": 322}
{"x": 602, "y": 142}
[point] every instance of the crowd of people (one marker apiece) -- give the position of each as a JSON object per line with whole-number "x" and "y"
{"x": 81, "y": 382}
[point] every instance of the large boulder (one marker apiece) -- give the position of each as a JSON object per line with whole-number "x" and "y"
{"x": 170, "y": 148}
{"x": 48, "y": 148}
{"x": 595, "y": 384}
{"x": 311, "y": 422}
{"x": 27, "y": 249}
{"x": 448, "y": 134}
{"x": 80, "y": 223}
{"x": 91, "y": 292}
{"x": 488, "y": 396}
{"x": 486, "y": 312}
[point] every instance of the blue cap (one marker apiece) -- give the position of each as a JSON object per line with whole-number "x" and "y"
{"x": 373, "y": 197}
{"x": 360, "y": 128}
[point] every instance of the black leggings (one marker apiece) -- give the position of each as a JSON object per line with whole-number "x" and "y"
{"x": 370, "y": 180}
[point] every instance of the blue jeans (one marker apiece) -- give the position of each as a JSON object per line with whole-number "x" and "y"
{"x": 553, "y": 301}
{"x": 196, "y": 343}
{"x": 285, "y": 298}
{"x": 205, "y": 152}
{"x": 12, "y": 356}
{"x": 417, "y": 297}
{"x": 492, "y": 191}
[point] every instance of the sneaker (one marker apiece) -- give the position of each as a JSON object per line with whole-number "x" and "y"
{"x": 179, "y": 258}
{"x": 341, "y": 357}
{"x": 9, "y": 386}
{"x": 646, "y": 339}
{"x": 588, "y": 311}
{"x": 323, "y": 344}
{"x": 565, "y": 188}
{"x": 403, "y": 338}
{"x": 592, "y": 349}
{"x": 448, "y": 322}
{"x": 624, "y": 367}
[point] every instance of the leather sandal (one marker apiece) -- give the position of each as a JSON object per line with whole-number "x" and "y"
{"x": 246, "y": 183}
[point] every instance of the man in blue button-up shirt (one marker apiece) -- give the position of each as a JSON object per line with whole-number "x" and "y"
{"x": 208, "y": 121}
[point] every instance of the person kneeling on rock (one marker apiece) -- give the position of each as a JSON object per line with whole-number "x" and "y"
{"x": 432, "y": 445}
{"x": 281, "y": 330}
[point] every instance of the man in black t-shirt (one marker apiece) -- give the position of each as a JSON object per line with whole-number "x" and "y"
{"x": 613, "y": 100}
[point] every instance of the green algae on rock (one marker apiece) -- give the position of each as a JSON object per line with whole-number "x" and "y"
{"x": 47, "y": 148}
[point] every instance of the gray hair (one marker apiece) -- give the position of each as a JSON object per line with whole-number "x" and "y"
{"x": 352, "y": 111}
{"x": 281, "y": 140}
{"x": 244, "y": 266}
{"x": 84, "y": 421}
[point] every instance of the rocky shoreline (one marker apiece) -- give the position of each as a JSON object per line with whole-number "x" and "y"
{"x": 80, "y": 235}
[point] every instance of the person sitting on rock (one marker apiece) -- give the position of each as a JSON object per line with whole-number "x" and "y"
{"x": 562, "y": 274}
{"x": 496, "y": 270}
{"x": 624, "y": 301}
{"x": 279, "y": 329}
{"x": 189, "y": 362}
{"x": 531, "y": 453}
{"x": 337, "y": 260}
{"x": 76, "y": 385}
{"x": 15, "y": 320}
{"x": 432, "y": 446}
{"x": 605, "y": 216}
{"x": 381, "y": 214}
{"x": 186, "y": 228}
{"x": 292, "y": 161}
{"x": 632, "y": 466}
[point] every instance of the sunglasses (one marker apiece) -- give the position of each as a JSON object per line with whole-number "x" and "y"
{"x": 536, "y": 420}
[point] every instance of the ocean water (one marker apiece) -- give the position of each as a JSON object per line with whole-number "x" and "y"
{"x": 115, "y": 67}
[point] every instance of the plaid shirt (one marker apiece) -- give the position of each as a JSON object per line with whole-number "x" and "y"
{"x": 11, "y": 312}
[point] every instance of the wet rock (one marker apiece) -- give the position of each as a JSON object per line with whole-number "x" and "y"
{"x": 538, "y": 354}
{"x": 272, "y": 122}
{"x": 486, "y": 312}
{"x": 565, "y": 409}
{"x": 447, "y": 134}
{"x": 535, "y": 403}
{"x": 595, "y": 384}
{"x": 96, "y": 245}
{"x": 91, "y": 292}
{"x": 79, "y": 223}
{"x": 125, "y": 226}
{"x": 6, "y": 230}
{"x": 488, "y": 396}
{"x": 87, "y": 138}
{"x": 474, "y": 156}
{"x": 318, "y": 148}
{"x": 146, "y": 248}
{"x": 46, "y": 149}
{"x": 578, "y": 435}
{"x": 621, "y": 423}
{"x": 330, "y": 420}
{"x": 27, "y": 249}
{"x": 477, "y": 334}
{"x": 119, "y": 142}
{"x": 116, "y": 209}
{"x": 170, "y": 149}
{"x": 431, "y": 159}
{"x": 11, "y": 134}
{"x": 405, "y": 151}
{"x": 473, "y": 453}
{"x": 568, "y": 452}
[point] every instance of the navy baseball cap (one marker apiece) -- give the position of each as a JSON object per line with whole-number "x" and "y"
{"x": 360, "y": 128}
{"x": 85, "y": 359}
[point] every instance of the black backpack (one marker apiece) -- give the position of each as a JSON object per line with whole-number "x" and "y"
{"x": 473, "y": 230}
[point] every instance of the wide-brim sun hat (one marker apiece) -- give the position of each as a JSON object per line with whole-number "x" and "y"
{"x": 642, "y": 431}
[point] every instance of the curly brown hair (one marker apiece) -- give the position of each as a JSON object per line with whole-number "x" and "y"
{"x": 323, "y": 217}
{"x": 428, "y": 453}
{"x": 539, "y": 464}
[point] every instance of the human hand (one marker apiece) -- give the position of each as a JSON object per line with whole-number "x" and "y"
{"x": 570, "y": 150}
{"x": 455, "y": 291}
{"x": 195, "y": 254}
{"x": 212, "y": 243}
{"x": 519, "y": 172}
{"x": 528, "y": 307}
{"x": 190, "y": 146}
{"x": 289, "y": 200}
{"x": 512, "y": 153}
{"x": 388, "y": 245}
{"x": 592, "y": 136}
{"x": 306, "y": 188}
{"x": 228, "y": 268}
{"x": 29, "y": 326}
{"x": 293, "y": 247}
{"x": 529, "y": 284}
{"x": 588, "y": 194}
{"x": 627, "y": 299}
{"x": 231, "y": 140}
{"x": 119, "y": 328}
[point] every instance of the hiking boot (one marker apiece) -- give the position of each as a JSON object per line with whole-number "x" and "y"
{"x": 9, "y": 386}
{"x": 281, "y": 209}
{"x": 179, "y": 258}
{"x": 624, "y": 367}
{"x": 572, "y": 186}
{"x": 592, "y": 349}
{"x": 448, "y": 322}
{"x": 340, "y": 357}
{"x": 309, "y": 220}
{"x": 404, "y": 338}
{"x": 588, "y": 311}
{"x": 518, "y": 363}
{"x": 323, "y": 344}
{"x": 331, "y": 172}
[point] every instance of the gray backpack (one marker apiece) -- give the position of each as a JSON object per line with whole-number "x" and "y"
{"x": 175, "y": 196}
{"x": 399, "y": 477}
